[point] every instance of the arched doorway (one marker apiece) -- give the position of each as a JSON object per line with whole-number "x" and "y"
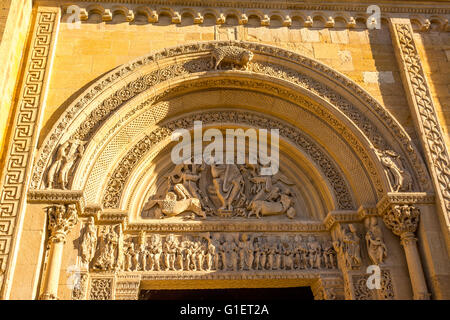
{"x": 341, "y": 154}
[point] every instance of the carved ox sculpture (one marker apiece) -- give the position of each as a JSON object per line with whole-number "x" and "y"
{"x": 232, "y": 54}
{"x": 170, "y": 206}
{"x": 267, "y": 208}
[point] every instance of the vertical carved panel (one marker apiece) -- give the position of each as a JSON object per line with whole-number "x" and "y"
{"x": 423, "y": 110}
{"x": 101, "y": 289}
{"x": 23, "y": 138}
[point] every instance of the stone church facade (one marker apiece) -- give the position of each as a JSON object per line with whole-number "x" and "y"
{"x": 93, "y": 207}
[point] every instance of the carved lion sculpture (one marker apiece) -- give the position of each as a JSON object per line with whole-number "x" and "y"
{"x": 267, "y": 208}
{"x": 170, "y": 206}
{"x": 235, "y": 55}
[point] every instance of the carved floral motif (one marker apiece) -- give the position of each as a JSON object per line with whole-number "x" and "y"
{"x": 402, "y": 218}
{"x": 61, "y": 219}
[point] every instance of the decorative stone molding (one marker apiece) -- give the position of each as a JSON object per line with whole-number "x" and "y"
{"x": 362, "y": 291}
{"x": 265, "y": 11}
{"x": 401, "y": 198}
{"x": 127, "y": 287}
{"x": 423, "y": 111}
{"x": 122, "y": 171}
{"x": 335, "y": 217}
{"x": 115, "y": 100}
{"x": 58, "y": 197}
{"x": 20, "y": 155}
{"x": 101, "y": 288}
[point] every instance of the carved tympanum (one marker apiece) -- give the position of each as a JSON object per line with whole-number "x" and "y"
{"x": 223, "y": 190}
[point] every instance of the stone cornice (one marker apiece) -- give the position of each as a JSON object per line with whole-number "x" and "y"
{"x": 393, "y": 198}
{"x": 428, "y": 7}
{"x": 58, "y": 197}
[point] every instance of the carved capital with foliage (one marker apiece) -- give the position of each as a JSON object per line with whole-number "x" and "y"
{"x": 61, "y": 219}
{"x": 402, "y": 218}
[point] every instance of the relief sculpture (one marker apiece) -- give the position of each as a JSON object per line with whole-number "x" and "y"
{"x": 217, "y": 252}
{"x": 222, "y": 190}
{"x": 400, "y": 179}
{"x": 59, "y": 172}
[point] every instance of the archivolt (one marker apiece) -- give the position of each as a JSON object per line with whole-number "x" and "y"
{"x": 342, "y": 98}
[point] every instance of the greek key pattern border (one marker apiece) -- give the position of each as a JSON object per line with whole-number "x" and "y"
{"x": 19, "y": 157}
{"x": 437, "y": 153}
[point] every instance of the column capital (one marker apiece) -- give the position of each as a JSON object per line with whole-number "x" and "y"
{"x": 402, "y": 219}
{"x": 61, "y": 219}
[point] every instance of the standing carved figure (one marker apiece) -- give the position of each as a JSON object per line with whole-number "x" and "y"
{"x": 352, "y": 248}
{"x": 245, "y": 252}
{"x": 61, "y": 155}
{"x": 170, "y": 250}
{"x": 66, "y": 156}
{"x": 109, "y": 241}
{"x": 155, "y": 249}
{"x": 374, "y": 240}
{"x": 89, "y": 241}
{"x": 328, "y": 255}
{"x": 401, "y": 179}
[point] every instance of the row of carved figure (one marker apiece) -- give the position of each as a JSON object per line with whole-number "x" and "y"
{"x": 109, "y": 250}
{"x": 206, "y": 252}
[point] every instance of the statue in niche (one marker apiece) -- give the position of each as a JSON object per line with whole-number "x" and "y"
{"x": 89, "y": 241}
{"x": 66, "y": 156}
{"x": 110, "y": 238}
{"x": 400, "y": 178}
{"x": 374, "y": 240}
{"x": 348, "y": 245}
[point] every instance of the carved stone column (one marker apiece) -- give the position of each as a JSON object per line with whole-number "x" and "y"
{"x": 61, "y": 219}
{"x": 402, "y": 220}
